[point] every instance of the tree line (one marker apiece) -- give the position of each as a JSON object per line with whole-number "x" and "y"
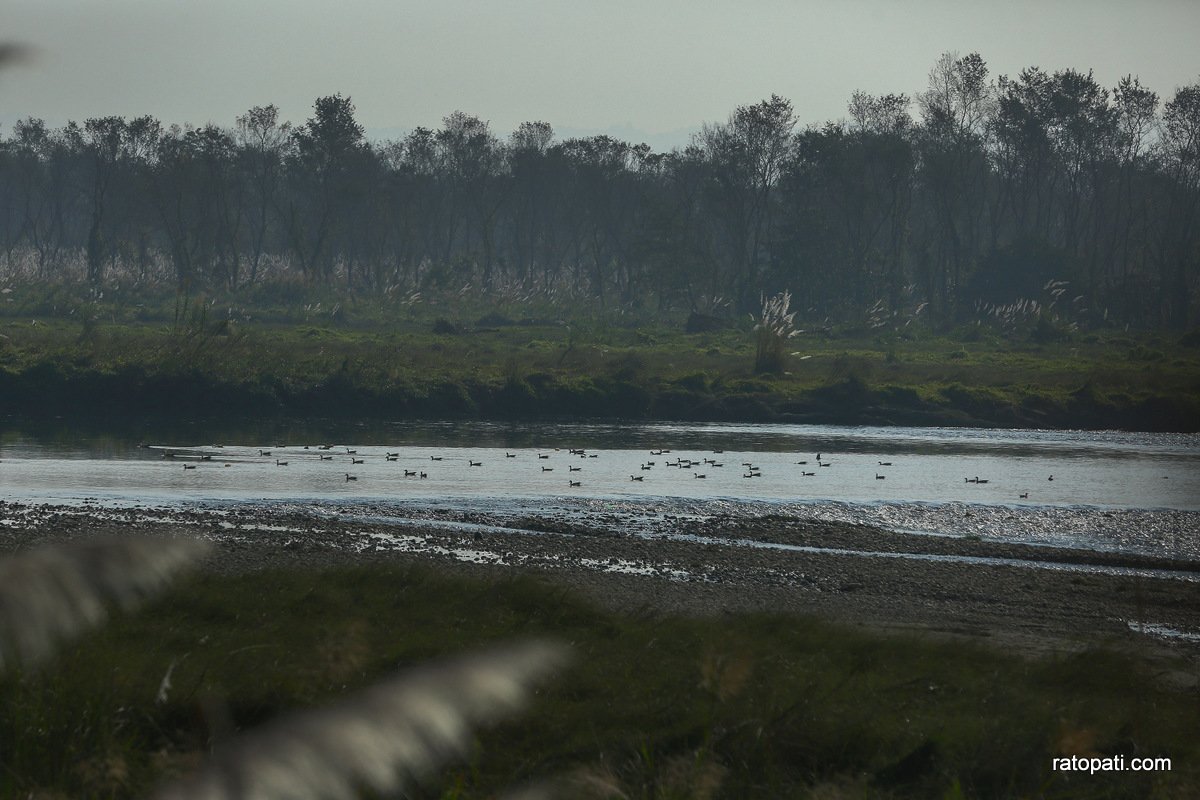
{"x": 977, "y": 196}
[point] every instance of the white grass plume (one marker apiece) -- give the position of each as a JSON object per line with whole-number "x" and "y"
{"x": 54, "y": 593}
{"x": 381, "y": 739}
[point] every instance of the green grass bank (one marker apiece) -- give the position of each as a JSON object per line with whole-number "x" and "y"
{"x": 500, "y": 368}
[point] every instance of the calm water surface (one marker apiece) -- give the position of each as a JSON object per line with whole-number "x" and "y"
{"x": 1110, "y": 490}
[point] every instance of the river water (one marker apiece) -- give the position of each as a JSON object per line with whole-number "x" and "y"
{"x": 1136, "y": 492}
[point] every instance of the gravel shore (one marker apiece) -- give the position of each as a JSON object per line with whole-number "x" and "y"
{"x": 1034, "y": 599}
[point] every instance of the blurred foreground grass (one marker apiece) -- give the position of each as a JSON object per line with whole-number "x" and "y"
{"x": 654, "y": 706}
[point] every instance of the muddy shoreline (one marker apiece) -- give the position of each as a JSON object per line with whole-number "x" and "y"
{"x": 1033, "y": 598}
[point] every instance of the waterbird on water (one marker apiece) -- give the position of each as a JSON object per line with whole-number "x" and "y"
{"x": 637, "y": 477}
{"x": 189, "y": 466}
{"x": 885, "y": 463}
{"x": 879, "y": 477}
{"x": 547, "y": 469}
{"x": 574, "y": 483}
{"x": 325, "y": 458}
{"x": 356, "y": 461}
{"x": 474, "y": 463}
{"x": 410, "y": 473}
{"x": 435, "y": 458}
{"x": 264, "y": 453}
{"x": 1025, "y": 495}
{"x": 350, "y": 477}
{"x": 279, "y": 463}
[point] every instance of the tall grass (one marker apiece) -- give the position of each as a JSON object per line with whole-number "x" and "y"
{"x": 773, "y": 328}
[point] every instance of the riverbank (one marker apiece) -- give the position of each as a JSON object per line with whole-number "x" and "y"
{"x": 1038, "y": 599}
{"x": 555, "y": 370}
{"x": 702, "y": 668}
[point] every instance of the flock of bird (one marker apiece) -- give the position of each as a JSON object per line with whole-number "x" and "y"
{"x": 699, "y": 468}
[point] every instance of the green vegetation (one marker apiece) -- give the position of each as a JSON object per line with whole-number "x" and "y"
{"x": 299, "y": 355}
{"x": 653, "y": 707}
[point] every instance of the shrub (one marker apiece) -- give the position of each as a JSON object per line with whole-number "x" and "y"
{"x": 442, "y": 325}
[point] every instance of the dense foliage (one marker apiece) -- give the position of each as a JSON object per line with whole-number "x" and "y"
{"x": 1011, "y": 198}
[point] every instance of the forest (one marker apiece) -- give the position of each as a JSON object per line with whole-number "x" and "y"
{"x": 1000, "y": 198}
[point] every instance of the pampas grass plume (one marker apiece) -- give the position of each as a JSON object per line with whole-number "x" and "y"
{"x": 381, "y": 739}
{"x": 55, "y": 593}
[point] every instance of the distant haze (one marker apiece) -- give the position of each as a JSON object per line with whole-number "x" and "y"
{"x": 643, "y": 71}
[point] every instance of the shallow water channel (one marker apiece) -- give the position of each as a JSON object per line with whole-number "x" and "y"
{"x": 1137, "y": 492}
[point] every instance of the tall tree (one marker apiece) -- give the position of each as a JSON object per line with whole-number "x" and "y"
{"x": 329, "y": 154}
{"x": 536, "y": 192}
{"x": 262, "y": 142}
{"x": 746, "y": 154}
{"x": 116, "y": 151}
{"x": 474, "y": 160}
{"x": 956, "y": 111}
{"x": 1179, "y": 248}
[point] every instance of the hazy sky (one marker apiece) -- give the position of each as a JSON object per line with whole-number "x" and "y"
{"x": 648, "y": 70}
